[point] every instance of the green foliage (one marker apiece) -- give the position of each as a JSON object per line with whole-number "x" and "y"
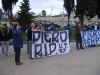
{"x": 44, "y": 13}
{"x": 85, "y": 9}
{"x": 69, "y": 6}
{"x": 98, "y": 8}
{"x": 24, "y": 17}
{"x": 7, "y": 6}
{"x": 1, "y": 14}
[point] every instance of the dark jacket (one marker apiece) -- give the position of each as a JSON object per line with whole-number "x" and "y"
{"x": 17, "y": 38}
{"x": 52, "y": 29}
{"x": 69, "y": 31}
{"x": 98, "y": 27}
{"x": 89, "y": 28}
{"x": 29, "y": 34}
{"x": 92, "y": 27}
{"x": 5, "y": 34}
{"x": 78, "y": 34}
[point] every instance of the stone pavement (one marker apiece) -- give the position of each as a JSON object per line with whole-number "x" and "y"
{"x": 77, "y": 62}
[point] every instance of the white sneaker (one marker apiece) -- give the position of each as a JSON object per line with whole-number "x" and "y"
{"x": 87, "y": 47}
{"x": 3, "y": 55}
{"x": 13, "y": 53}
{"x": 7, "y": 54}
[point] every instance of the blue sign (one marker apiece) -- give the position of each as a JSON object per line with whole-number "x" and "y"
{"x": 91, "y": 37}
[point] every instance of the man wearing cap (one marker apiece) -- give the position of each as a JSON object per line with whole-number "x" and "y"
{"x": 52, "y": 28}
{"x": 5, "y": 38}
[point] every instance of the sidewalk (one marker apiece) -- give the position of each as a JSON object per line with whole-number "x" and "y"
{"x": 77, "y": 62}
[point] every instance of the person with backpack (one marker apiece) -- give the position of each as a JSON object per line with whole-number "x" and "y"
{"x": 5, "y": 35}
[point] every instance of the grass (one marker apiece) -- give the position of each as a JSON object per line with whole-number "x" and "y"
{"x": 73, "y": 36}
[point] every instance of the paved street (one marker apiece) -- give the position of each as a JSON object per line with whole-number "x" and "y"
{"x": 77, "y": 62}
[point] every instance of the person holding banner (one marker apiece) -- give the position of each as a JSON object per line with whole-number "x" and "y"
{"x": 78, "y": 37}
{"x": 98, "y": 26}
{"x": 69, "y": 31}
{"x": 40, "y": 27}
{"x": 29, "y": 37}
{"x": 92, "y": 27}
{"x": 52, "y": 28}
{"x": 89, "y": 27}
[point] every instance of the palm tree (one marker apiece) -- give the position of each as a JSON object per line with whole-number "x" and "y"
{"x": 8, "y": 6}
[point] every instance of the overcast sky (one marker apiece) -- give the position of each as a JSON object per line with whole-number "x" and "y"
{"x": 38, "y": 5}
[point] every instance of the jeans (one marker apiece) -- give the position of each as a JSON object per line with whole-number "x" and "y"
{"x": 17, "y": 54}
{"x": 5, "y": 44}
{"x": 79, "y": 42}
{"x": 28, "y": 48}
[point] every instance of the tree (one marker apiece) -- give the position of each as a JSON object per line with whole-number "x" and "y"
{"x": 7, "y": 6}
{"x": 85, "y": 9}
{"x": 44, "y": 13}
{"x": 24, "y": 17}
{"x": 97, "y": 9}
{"x": 1, "y": 14}
{"x": 69, "y": 7}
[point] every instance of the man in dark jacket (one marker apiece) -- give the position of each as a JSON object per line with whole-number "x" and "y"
{"x": 89, "y": 27}
{"x": 78, "y": 37}
{"x": 69, "y": 31}
{"x": 29, "y": 37}
{"x": 5, "y": 38}
{"x": 92, "y": 27}
{"x": 98, "y": 26}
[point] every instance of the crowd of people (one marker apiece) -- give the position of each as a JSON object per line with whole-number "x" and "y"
{"x": 15, "y": 34}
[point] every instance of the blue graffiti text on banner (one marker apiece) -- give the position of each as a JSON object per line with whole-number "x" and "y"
{"x": 91, "y": 37}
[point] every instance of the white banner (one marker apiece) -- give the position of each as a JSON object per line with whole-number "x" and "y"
{"x": 48, "y": 43}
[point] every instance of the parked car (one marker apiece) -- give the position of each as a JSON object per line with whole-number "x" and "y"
{"x": 46, "y": 23}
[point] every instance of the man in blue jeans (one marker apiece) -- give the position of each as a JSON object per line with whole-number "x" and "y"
{"x": 5, "y": 35}
{"x": 29, "y": 38}
{"x": 78, "y": 37}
